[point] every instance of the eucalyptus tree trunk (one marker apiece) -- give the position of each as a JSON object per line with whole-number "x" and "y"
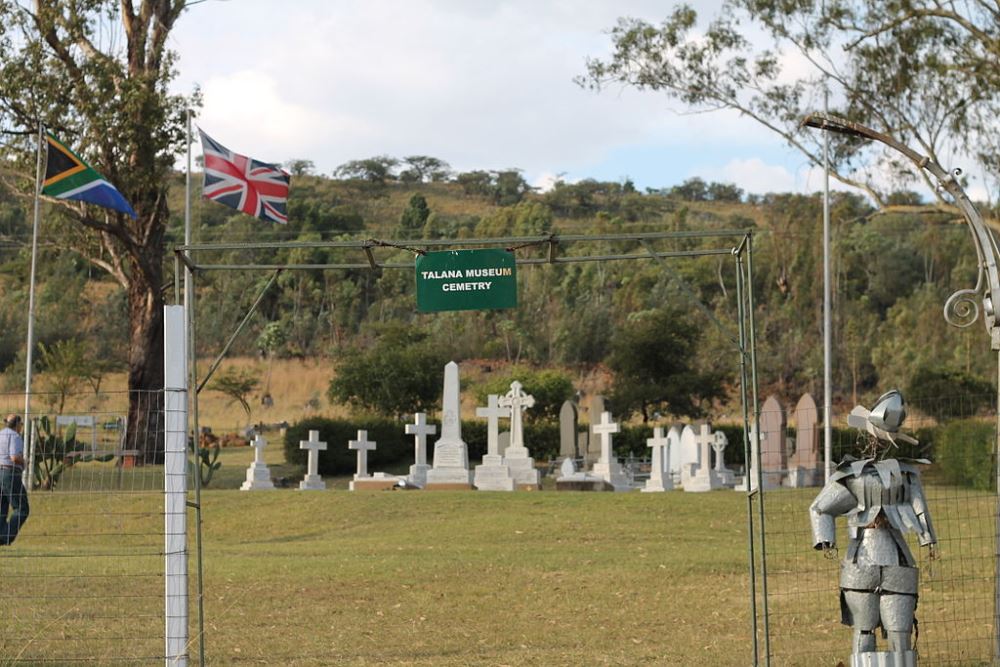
{"x": 99, "y": 72}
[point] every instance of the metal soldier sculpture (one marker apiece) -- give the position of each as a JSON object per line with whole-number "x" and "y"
{"x": 882, "y": 499}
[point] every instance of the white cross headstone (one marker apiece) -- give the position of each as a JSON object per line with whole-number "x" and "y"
{"x": 719, "y": 444}
{"x": 493, "y": 474}
{"x": 704, "y": 477}
{"x": 420, "y": 429}
{"x": 657, "y": 480}
{"x": 493, "y": 414}
{"x": 517, "y": 401}
{"x": 522, "y": 466}
{"x": 258, "y": 475}
{"x": 363, "y": 445}
{"x": 605, "y": 429}
{"x": 607, "y": 467}
{"x": 312, "y": 480}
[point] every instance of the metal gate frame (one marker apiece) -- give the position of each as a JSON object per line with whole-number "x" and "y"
{"x": 744, "y": 340}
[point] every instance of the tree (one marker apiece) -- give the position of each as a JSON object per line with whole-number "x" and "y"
{"x": 411, "y": 223}
{"x": 300, "y": 166}
{"x": 651, "y": 358}
{"x": 375, "y": 170}
{"x": 550, "y": 389}
{"x": 949, "y": 395}
{"x": 423, "y": 168}
{"x": 398, "y": 374}
{"x": 923, "y": 70}
{"x": 693, "y": 189}
{"x": 510, "y": 187}
{"x": 237, "y": 385}
{"x": 98, "y": 72}
{"x": 67, "y": 366}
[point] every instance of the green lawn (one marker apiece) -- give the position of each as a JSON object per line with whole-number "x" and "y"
{"x": 451, "y": 578}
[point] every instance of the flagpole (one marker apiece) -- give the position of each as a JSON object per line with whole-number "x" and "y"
{"x": 827, "y": 305}
{"x": 29, "y": 356}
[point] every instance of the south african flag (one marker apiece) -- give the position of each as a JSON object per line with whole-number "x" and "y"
{"x": 67, "y": 176}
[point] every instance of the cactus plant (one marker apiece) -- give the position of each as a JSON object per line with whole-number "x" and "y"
{"x": 208, "y": 460}
{"x": 51, "y": 448}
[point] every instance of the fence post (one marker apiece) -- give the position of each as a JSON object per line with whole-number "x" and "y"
{"x": 175, "y": 484}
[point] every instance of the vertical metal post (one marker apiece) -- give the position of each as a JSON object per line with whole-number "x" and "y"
{"x": 29, "y": 468}
{"x": 996, "y": 538}
{"x": 827, "y": 337}
{"x": 175, "y": 403}
{"x": 189, "y": 306}
{"x": 744, "y": 378}
{"x": 760, "y": 474}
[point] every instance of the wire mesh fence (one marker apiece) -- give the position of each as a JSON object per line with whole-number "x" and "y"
{"x": 83, "y": 582}
{"x": 957, "y": 579}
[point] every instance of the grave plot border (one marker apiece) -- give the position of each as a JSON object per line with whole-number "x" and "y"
{"x": 743, "y": 340}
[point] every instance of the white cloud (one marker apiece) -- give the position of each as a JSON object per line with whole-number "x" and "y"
{"x": 753, "y": 175}
{"x": 483, "y": 85}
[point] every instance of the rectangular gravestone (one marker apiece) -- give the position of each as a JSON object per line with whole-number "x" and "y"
{"x": 773, "y": 455}
{"x": 596, "y": 408}
{"x": 673, "y": 462}
{"x": 567, "y": 431}
{"x": 689, "y": 455}
{"x": 804, "y": 468}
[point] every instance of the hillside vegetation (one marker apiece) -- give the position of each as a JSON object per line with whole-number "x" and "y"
{"x": 893, "y": 270}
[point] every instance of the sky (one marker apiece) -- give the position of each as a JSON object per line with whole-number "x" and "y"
{"x": 482, "y": 85}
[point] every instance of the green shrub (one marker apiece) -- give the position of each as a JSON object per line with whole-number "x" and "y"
{"x": 394, "y": 447}
{"x": 948, "y": 395}
{"x": 392, "y": 444}
{"x": 549, "y": 388}
{"x": 964, "y": 453}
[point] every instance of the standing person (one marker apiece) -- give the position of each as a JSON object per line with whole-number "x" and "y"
{"x": 13, "y": 497}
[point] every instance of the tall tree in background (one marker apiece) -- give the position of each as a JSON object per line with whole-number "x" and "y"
{"x": 97, "y": 72}
{"x": 923, "y": 71}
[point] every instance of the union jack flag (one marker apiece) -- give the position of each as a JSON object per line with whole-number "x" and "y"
{"x": 257, "y": 188}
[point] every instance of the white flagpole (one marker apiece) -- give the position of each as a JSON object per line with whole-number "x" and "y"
{"x": 827, "y": 305}
{"x": 29, "y": 356}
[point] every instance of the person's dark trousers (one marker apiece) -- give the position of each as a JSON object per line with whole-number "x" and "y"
{"x": 13, "y": 501}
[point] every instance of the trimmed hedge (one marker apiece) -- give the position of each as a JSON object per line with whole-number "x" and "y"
{"x": 393, "y": 445}
{"x": 963, "y": 452}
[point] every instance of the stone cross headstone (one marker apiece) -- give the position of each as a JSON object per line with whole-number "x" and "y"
{"x": 362, "y": 445}
{"x": 522, "y": 465}
{"x": 312, "y": 480}
{"x": 704, "y": 478}
{"x": 567, "y": 431}
{"x": 493, "y": 413}
{"x": 719, "y": 444}
{"x": 258, "y": 475}
{"x": 420, "y": 429}
{"x": 773, "y": 455}
{"x": 805, "y": 468}
{"x": 658, "y": 480}
{"x": 493, "y": 474}
{"x": 607, "y": 467}
{"x": 451, "y": 454}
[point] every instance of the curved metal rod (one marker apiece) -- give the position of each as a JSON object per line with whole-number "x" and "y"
{"x": 961, "y": 304}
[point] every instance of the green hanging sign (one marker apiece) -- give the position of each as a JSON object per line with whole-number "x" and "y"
{"x": 483, "y": 279}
